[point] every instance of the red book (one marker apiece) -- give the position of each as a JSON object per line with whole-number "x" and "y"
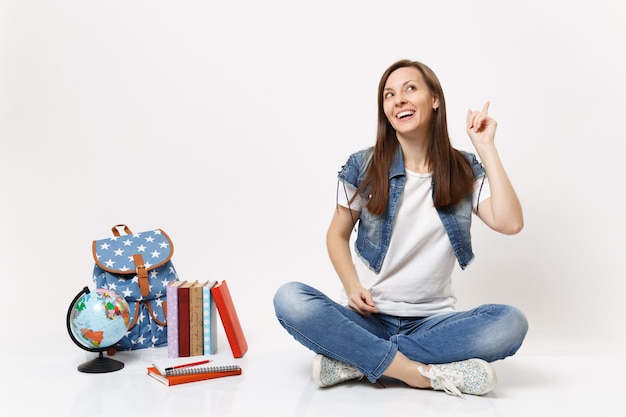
{"x": 183, "y": 320}
{"x": 230, "y": 320}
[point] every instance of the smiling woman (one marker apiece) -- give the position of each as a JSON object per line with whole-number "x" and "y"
{"x": 413, "y": 195}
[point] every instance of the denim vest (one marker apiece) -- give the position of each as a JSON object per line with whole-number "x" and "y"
{"x": 374, "y": 233}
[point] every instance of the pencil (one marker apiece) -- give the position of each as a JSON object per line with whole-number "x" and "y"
{"x": 186, "y": 365}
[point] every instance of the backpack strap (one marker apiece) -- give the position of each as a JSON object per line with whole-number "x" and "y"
{"x": 154, "y": 317}
{"x": 142, "y": 274}
{"x": 134, "y": 319}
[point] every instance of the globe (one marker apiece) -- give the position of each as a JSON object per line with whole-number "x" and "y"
{"x": 96, "y": 321}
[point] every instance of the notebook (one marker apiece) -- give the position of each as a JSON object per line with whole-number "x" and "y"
{"x": 191, "y": 377}
{"x": 191, "y": 369}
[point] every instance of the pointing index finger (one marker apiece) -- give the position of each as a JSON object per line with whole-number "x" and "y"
{"x": 485, "y": 107}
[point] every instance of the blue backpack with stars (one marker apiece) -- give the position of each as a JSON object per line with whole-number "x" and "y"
{"x": 138, "y": 267}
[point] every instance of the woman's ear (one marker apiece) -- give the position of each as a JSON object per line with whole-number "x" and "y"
{"x": 435, "y": 103}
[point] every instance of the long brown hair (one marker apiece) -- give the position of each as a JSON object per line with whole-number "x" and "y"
{"x": 452, "y": 173}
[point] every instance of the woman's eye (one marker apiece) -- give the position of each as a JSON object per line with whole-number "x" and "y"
{"x": 388, "y": 95}
{"x": 411, "y": 88}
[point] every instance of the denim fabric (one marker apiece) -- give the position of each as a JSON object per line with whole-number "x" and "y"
{"x": 374, "y": 232}
{"x": 489, "y": 332}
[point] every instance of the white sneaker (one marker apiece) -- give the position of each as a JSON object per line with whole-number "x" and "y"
{"x": 473, "y": 376}
{"x": 327, "y": 371}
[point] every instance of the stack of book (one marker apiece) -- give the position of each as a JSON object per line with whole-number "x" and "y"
{"x": 192, "y": 319}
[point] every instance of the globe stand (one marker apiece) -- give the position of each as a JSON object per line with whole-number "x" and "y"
{"x": 100, "y": 365}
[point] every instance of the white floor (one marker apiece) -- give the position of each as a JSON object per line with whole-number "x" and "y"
{"x": 276, "y": 382}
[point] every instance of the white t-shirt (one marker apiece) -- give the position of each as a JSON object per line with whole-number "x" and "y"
{"x": 415, "y": 278}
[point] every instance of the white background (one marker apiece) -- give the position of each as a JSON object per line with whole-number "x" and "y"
{"x": 225, "y": 123}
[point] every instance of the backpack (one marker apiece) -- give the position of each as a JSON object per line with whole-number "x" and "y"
{"x": 138, "y": 267}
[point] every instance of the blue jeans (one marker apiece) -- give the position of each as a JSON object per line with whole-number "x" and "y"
{"x": 489, "y": 332}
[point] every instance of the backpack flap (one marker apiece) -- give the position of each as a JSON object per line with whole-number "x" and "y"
{"x": 133, "y": 254}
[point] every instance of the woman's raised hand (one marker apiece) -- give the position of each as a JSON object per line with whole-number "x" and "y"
{"x": 481, "y": 127}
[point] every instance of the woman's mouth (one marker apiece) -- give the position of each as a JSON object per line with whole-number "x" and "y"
{"x": 405, "y": 114}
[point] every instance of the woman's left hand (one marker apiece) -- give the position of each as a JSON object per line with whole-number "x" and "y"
{"x": 481, "y": 127}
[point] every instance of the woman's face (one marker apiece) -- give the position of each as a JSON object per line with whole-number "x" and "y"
{"x": 407, "y": 102}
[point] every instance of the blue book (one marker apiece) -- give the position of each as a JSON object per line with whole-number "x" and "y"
{"x": 209, "y": 322}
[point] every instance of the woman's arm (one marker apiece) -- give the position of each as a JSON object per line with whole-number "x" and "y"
{"x": 502, "y": 212}
{"x": 338, "y": 245}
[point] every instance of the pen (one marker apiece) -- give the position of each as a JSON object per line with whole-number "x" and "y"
{"x": 186, "y": 365}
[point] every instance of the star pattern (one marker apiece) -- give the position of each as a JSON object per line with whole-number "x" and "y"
{"x": 117, "y": 254}
{"x": 115, "y": 269}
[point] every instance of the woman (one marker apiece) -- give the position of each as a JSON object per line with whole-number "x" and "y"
{"x": 413, "y": 195}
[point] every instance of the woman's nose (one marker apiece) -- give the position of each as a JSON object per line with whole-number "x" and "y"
{"x": 400, "y": 99}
